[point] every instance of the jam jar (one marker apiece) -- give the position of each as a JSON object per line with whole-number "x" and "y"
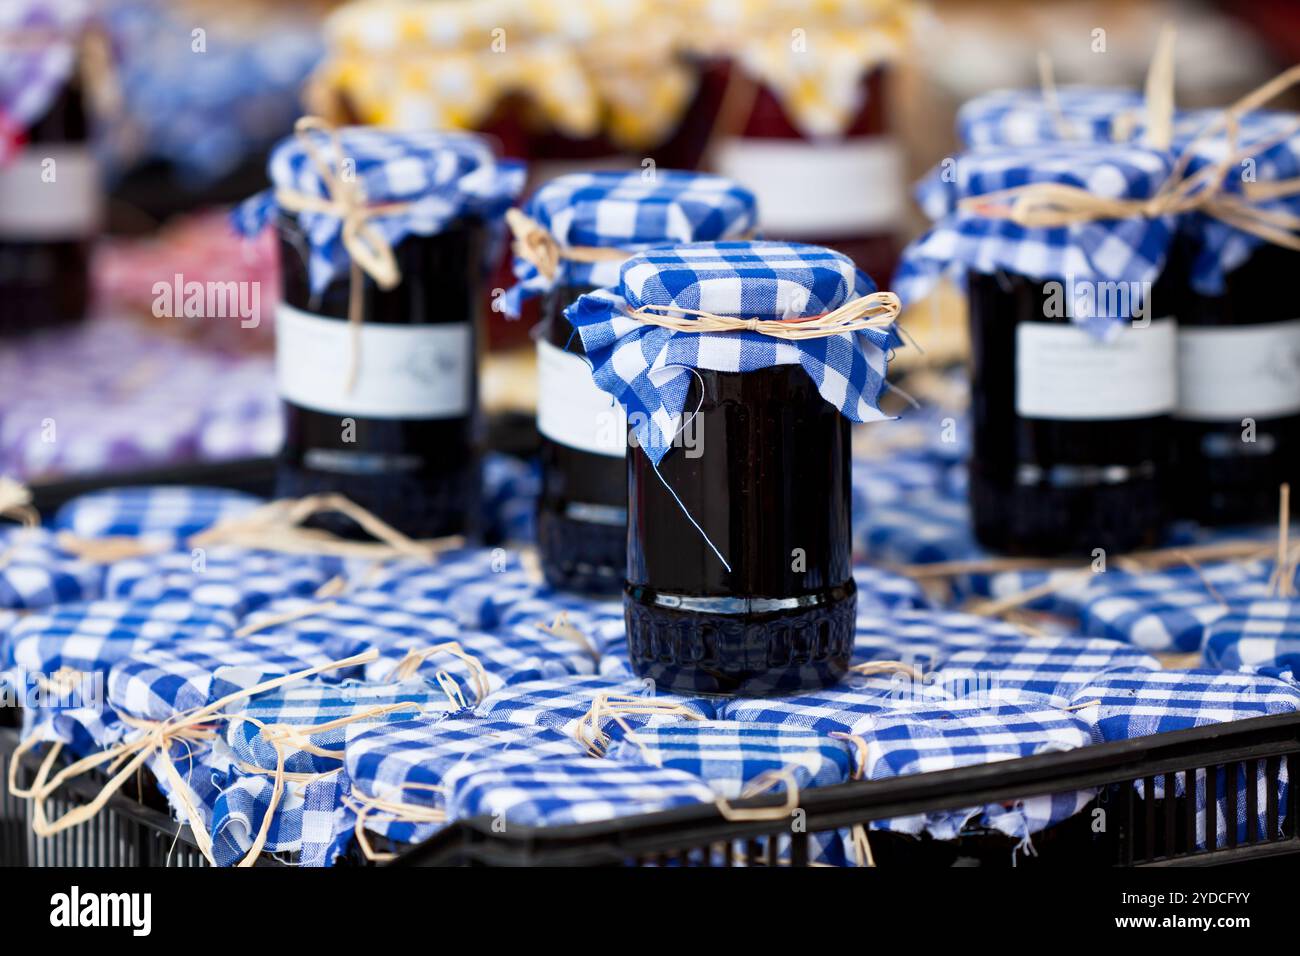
{"x": 1071, "y": 439}
{"x": 403, "y": 441}
{"x": 51, "y": 205}
{"x": 582, "y": 509}
{"x": 826, "y": 204}
{"x": 1237, "y": 425}
{"x": 763, "y": 469}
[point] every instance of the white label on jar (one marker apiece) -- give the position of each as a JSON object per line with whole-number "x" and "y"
{"x": 50, "y": 192}
{"x": 1242, "y": 371}
{"x": 405, "y": 371}
{"x": 826, "y": 189}
{"x": 571, "y": 410}
{"x": 1063, "y": 372}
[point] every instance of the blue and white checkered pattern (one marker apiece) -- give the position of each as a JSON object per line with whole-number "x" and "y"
{"x": 629, "y": 211}
{"x": 562, "y": 703}
{"x": 729, "y": 756}
{"x": 572, "y": 790}
{"x": 476, "y": 584}
{"x": 35, "y": 572}
{"x": 235, "y": 579}
{"x": 1050, "y": 669}
{"x": 33, "y": 74}
{"x": 175, "y": 512}
{"x": 1174, "y": 620}
{"x": 1255, "y": 634}
{"x": 646, "y": 367}
{"x": 923, "y": 528}
{"x": 361, "y": 619}
{"x": 306, "y": 822}
{"x": 1115, "y": 250}
{"x": 899, "y": 745}
{"x": 400, "y": 762}
{"x": 1140, "y": 703}
{"x": 880, "y": 590}
{"x": 443, "y": 176}
{"x": 927, "y": 639}
{"x": 1088, "y": 114}
{"x": 510, "y": 490}
{"x": 847, "y": 708}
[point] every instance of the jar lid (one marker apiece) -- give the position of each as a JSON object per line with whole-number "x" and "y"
{"x": 969, "y": 237}
{"x": 38, "y": 40}
{"x": 647, "y": 367}
{"x": 431, "y": 180}
{"x": 1089, "y": 114}
{"x": 629, "y": 211}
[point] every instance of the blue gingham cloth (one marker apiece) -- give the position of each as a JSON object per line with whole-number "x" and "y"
{"x": 572, "y": 790}
{"x": 36, "y": 572}
{"x": 729, "y": 756}
{"x": 1088, "y": 114}
{"x": 1255, "y": 634}
{"x": 236, "y": 579}
{"x": 147, "y": 512}
{"x": 1140, "y": 703}
{"x": 510, "y": 489}
{"x": 1130, "y": 250}
{"x": 903, "y": 744}
{"x": 414, "y": 761}
{"x": 647, "y": 368}
{"x": 849, "y": 707}
{"x": 443, "y": 176}
{"x": 477, "y": 584}
{"x": 1163, "y": 620}
{"x": 1050, "y": 669}
{"x": 562, "y": 703}
{"x": 928, "y": 638}
{"x": 629, "y": 211}
{"x": 882, "y": 590}
{"x": 922, "y": 528}
{"x": 364, "y": 619}
{"x": 304, "y": 830}
{"x": 33, "y": 74}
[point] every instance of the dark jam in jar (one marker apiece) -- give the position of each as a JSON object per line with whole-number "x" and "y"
{"x": 763, "y": 467}
{"x": 46, "y": 225}
{"x": 827, "y": 203}
{"x": 1237, "y": 428}
{"x": 403, "y": 442}
{"x": 582, "y": 510}
{"x": 1071, "y": 436}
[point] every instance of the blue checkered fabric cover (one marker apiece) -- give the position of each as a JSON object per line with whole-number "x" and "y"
{"x": 1088, "y": 114}
{"x": 401, "y": 761}
{"x": 174, "y": 511}
{"x": 1255, "y": 634}
{"x": 1140, "y": 703}
{"x": 572, "y": 790}
{"x": 1050, "y": 669}
{"x": 928, "y": 638}
{"x": 306, "y": 828}
{"x": 882, "y": 590}
{"x": 364, "y": 618}
{"x": 1066, "y": 600}
{"x": 35, "y": 572}
{"x": 476, "y": 584}
{"x": 849, "y": 707}
{"x": 235, "y": 579}
{"x": 1116, "y": 250}
{"x": 1219, "y": 247}
{"x": 32, "y": 74}
{"x": 646, "y": 367}
{"x": 1171, "y": 620}
{"x": 443, "y": 176}
{"x": 631, "y": 211}
{"x": 883, "y": 482}
{"x": 903, "y": 744}
{"x": 561, "y": 703}
{"x": 921, "y": 529}
{"x": 729, "y": 756}
{"x": 510, "y": 490}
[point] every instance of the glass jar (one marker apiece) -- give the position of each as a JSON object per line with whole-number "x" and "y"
{"x": 1071, "y": 436}
{"x": 763, "y": 469}
{"x": 403, "y": 442}
{"x": 50, "y": 208}
{"x": 826, "y": 204}
{"x": 1237, "y": 427}
{"x": 582, "y": 510}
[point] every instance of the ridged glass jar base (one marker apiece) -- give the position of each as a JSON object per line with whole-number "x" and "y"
{"x": 581, "y": 556}
{"x": 732, "y": 646}
{"x": 418, "y": 505}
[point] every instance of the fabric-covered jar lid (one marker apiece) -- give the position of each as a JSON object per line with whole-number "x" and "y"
{"x": 431, "y": 180}
{"x": 1028, "y": 117}
{"x": 629, "y": 211}
{"x": 646, "y": 366}
{"x": 973, "y": 236}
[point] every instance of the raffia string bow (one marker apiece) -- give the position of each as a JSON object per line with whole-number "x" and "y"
{"x": 367, "y": 247}
{"x": 534, "y": 244}
{"x": 879, "y": 310}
